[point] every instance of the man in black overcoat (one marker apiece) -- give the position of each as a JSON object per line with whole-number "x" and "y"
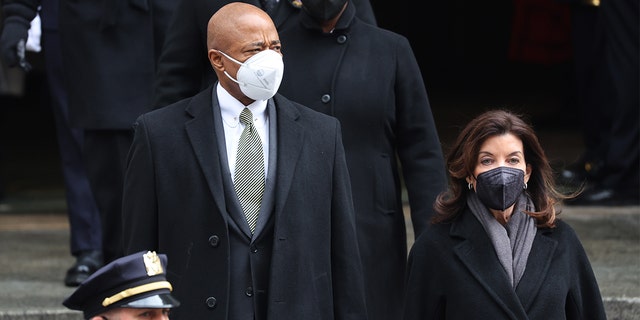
{"x": 301, "y": 261}
{"x": 110, "y": 50}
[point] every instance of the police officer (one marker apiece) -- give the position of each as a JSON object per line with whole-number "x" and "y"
{"x": 131, "y": 287}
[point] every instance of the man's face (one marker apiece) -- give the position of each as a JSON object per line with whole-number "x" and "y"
{"x": 134, "y": 314}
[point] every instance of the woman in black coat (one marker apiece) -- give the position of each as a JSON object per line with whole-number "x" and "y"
{"x": 496, "y": 249}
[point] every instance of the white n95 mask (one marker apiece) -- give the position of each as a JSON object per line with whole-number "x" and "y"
{"x": 259, "y": 77}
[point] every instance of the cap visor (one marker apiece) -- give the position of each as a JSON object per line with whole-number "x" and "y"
{"x": 163, "y": 300}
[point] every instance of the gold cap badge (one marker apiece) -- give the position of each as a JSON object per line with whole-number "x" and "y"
{"x": 152, "y": 263}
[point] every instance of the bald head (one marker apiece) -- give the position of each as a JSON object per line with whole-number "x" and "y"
{"x": 231, "y": 23}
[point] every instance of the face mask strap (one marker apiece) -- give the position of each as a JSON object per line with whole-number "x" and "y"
{"x": 228, "y": 57}
{"x": 232, "y": 79}
{"x": 225, "y": 72}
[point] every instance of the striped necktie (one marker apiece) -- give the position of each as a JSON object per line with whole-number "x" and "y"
{"x": 249, "y": 175}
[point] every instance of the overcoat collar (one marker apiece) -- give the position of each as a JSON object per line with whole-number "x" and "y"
{"x": 478, "y": 255}
{"x": 291, "y": 135}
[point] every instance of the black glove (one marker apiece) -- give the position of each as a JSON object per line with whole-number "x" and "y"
{"x": 15, "y": 29}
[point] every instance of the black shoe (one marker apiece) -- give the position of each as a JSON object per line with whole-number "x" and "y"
{"x": 579, "y": 173}
{"x": 86, "y": 264}
{"x": 606, "y": 197}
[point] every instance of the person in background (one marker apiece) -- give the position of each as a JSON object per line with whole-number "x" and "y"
{"x": 183, "y": 70}
{"x": 278, "y": 243}
{"x": 129, "y": 288}
{"x": 369, "y": 79}
{"x": 84, "y": 218}
{"x": 109, "y": 53}
{"x": 610, "y": 166}
{"x": 497, "y": 249}
{"x": 587, "y": 81}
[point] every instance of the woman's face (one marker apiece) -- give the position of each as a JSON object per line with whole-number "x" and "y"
{"x": 497, "y": 151}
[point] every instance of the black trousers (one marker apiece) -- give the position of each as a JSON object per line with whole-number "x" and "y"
{"x": 84, "y": 218}
{"x": 106, "y": 156}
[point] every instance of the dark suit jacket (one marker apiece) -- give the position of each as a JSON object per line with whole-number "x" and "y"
{"x": 369, "y": 79}
{"x": 183, "y": 69}
{"x": 454, "y": 273}
{"x": 174, "y": 203}
{"x": 110, "y": 50}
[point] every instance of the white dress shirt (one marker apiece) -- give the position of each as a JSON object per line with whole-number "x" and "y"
{"x": 230, "y": 109}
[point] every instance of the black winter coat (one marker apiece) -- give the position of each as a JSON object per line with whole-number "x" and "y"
{"x": 174, "y": 203}
{"x": 110, "y": 50}
{"x": 369, "y": 79}
{"x": 454, "y": 273}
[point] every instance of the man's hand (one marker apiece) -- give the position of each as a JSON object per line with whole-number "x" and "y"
{"x": 15, "y": 31}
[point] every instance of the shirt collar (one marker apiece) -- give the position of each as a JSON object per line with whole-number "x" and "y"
{"x": 231, "y": 108}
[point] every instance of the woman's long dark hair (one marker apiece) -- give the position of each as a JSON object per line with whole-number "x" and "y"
{"x": 463, "y": 156}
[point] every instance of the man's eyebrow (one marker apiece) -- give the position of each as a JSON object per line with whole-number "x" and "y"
{"x": 263, "y": 44}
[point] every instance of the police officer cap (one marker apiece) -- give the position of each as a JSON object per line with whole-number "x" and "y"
{"x": 134, "y": 281}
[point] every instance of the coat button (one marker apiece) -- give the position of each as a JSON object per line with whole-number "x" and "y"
{"x": 341, "y": 39}
{"x": 325, "y": 98}
{"x": 214, "y": 241}
{"x": 211, "y": 302}
{"x": 249, "y": 291}
{"x": 254, "y": 249}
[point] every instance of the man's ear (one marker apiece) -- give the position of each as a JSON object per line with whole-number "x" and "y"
{"x": 215, "y": 59}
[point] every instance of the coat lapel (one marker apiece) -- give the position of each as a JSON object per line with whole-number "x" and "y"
{"x": 538, "y": 265}
{"x": 202, "y": 138}
{"x": 290, "y": 141}
{"x": 478, "y": 255}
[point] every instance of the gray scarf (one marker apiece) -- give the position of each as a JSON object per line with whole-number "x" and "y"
{"x": 513, "y": 241}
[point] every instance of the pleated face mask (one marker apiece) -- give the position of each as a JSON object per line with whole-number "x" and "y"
{"x": 259, "y": 77}
{"x": 499, "y": 188}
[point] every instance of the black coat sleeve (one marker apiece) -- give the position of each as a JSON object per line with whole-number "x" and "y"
{"x": 183, "y": 65}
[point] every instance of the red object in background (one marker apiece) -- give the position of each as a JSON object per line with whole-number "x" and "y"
{"x": 541, "y": 32}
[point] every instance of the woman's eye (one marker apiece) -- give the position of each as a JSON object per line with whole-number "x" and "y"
{"x": 486, "y": 162}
